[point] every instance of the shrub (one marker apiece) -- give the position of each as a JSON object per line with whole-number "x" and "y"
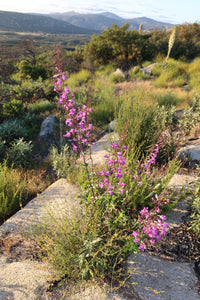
{"x": 12, "y": 187}
{"x": 13, "y": 109}
{"x": 157, "y": 69}
{"x": 195, "y": 82}
{"x": 11, "y": 130}
{"x": 169, "y": 99}
{"x": 40, "y": 106}
{"x": 19, "y": 153}
{"x": 140, "y": 75}
{"x": 32, "y": 123}
{"x": 143, "y": 124}
{"x": 117, "y": 77}
{"x": 105, "y": 70}
{"x": 173, "y": 73}
{"x": 195, "y": 216}
{"x": 61, "y": 160}
{"x": 146, "y": 63}
{"x": 79, "y": 78}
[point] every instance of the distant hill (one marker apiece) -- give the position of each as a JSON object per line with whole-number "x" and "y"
{"x": 22, "y": 22}
{"x": 103, "y": 20}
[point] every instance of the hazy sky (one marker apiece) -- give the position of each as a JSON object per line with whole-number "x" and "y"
{"x": 172, "y": 11}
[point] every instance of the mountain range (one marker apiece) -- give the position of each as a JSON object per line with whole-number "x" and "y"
{"x": 71, "y": 22}
{"x": 101, "y": 21}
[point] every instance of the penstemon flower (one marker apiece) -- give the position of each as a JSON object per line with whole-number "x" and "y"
{"x": 153, "y": 225}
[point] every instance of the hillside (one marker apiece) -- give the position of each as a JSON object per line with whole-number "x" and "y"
{"x": 103, "y": 20}
{"x": 22, "y": 22}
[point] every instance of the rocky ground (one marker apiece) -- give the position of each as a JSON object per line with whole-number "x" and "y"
{"x": 169, "y": 270}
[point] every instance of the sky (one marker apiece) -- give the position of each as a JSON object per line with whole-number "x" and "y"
{"x": 170, "y": 11}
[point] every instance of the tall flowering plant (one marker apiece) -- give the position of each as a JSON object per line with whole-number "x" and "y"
{"x": 110, "y": 197}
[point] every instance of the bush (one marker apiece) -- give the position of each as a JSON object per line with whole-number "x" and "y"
{"x": 173, "y": 73}
{"x": 195, "y": 82}
{"x": 11, "y": 130}
{"x": 195, "y": 216}
{"x": 143, "y": 124}
{"x": 157, "y": 69}
{"x": 19, "y": 154}
{"x": 12, "y": 187}
{"x": 32, "y": 123}
{"x": 117, "y": 77}
{"x": 105, "y": 70}
{"x": 61, "y": 160}
{"x": 40, "y": 106}
{"x": 79, "y": 78}
{"x": 13, "y": 109}
{"x": 169, "y": 100}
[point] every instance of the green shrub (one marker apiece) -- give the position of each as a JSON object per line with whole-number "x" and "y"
{"x": 117, "y": 77}
{"x": 13, "y": 109}
{"x": 40, "y": 106}
{"x": 11, "y": 130}
{"x": 140, "y": 75}
{"x": 143, "y": 124}
{"x": 105, "y": 70}
{"x": 195, "y": 216}
{"x": 187, "y": 121}
{"x": 157, "y": 69}
{"x": 12, "y": 187}
{"x": 195, "y": 82}
{"x": 79, "y": 78}
{"x": 173, "y": 72}
{"x": 169, "y": 99}
{"x": 61, "y": 160}
{"x": 146, "y": 63}
{"x": 194, "y": 66}
{"x": 19, "y": 153}
{"x": 32, "y": 123}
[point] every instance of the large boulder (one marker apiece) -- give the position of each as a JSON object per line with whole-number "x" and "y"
{"x": 46, "y": 137}
{"x": 47, "y": 126}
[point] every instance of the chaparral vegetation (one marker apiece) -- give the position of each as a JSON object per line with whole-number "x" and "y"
{"x": 149, "y": 83}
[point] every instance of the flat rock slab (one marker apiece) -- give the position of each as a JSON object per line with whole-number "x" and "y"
{"x": 21, "y": 280}
{"x": 191, "y": 152}
{"x": 178, "y": 181}
{"x": 100, "y": 149}
{"x": 157, "y": 279}
{"x": 60, "y": 198}
{"x": 175, "y": 217}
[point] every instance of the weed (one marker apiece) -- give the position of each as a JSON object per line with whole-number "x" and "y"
{"x": 12, "y": 188}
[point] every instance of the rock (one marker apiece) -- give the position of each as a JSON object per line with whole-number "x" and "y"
{"x": 155, "y": 278}
{"x": 147, "y": 70}
{"x": 60, "y": 199}
{"x": 99, "y": 150}
{"x": 112, "y": 125}
{"x": 190, "y": 152}
{"x": 47, "y": 126}
{"x": 119, "y": 72}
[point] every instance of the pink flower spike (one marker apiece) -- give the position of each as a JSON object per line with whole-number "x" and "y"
{"x": 74, "y": 147}
{"x": 101, "y": 185}
{"x": 135, "y": 233}
{"x": 142, "y": 247}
